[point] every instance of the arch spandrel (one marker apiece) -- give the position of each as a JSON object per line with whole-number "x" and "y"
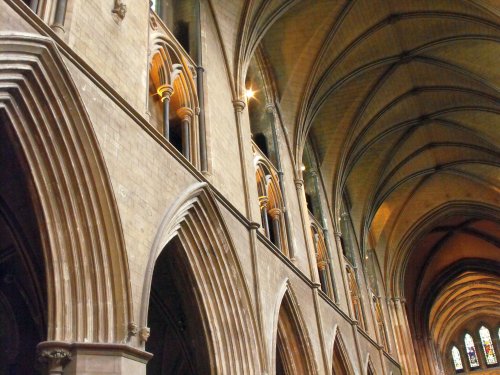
{"x": 226, "y": 304}
{"x": 78, "y": 217}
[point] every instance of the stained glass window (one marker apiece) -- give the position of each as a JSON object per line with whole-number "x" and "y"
{"x": 489, "y": 351}
{"x": 457, "y": 360}
{"x": 471, "y": 351}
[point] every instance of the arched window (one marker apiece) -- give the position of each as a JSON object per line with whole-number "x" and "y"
{"x": 355, "y": 298}
{"x": 271, "y": 204}
{"x": 489, "y": 350}
{"x": 173, "y": 103}
{"x": 321, "y": 257}
{"x": 471, "y": 351}
{"x": 379, "y": 317}
{"x": 457, "y": 359}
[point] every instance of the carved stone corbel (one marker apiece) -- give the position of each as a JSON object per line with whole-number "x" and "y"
{"x": 119, "y": 9}
{"x": 54, "y": 357}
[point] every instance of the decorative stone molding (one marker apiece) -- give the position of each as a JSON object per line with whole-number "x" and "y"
{"x": 119, "y": 9}
{"x": 254, "y": 225}
{"x": 59, "y": 355}
{"x": 63, "y": 138}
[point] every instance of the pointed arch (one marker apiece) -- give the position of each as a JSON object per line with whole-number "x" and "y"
{"x": 341, "y": 364}
{"x": 370, "y": 369}
{"x": 232, "y": 331}
{"x": 88, "y": 291}
{"x": 292, "y": 353}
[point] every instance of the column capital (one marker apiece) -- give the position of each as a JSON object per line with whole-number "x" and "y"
{"x": 185, "y": 113}
{"x": 239, "y": 105}
{"x": 263, "y": 201}
{"x": 254, "y": 225}
{"x": 275, "y": 212}
{"x": 299, "y": 183}
{"x": 270, "y": 107}
{"x": 165, "y": 91}
{"x": 337, "y": 234}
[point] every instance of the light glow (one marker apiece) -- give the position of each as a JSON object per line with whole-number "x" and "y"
{"x": 249, "y": 93}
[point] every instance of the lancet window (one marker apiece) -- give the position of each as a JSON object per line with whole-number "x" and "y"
{"x": 471, "y": 351}
{"x": 322, "y": 260}
{"x": 487, "y": 343}
{"x": 355, "y": 296}
{"x": 379, "y": 317}
{"x": 173, "y": 103}
{"x": 271, "y": 204}
{"x": 457, "y": 359}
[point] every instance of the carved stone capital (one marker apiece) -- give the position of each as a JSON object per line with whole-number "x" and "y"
{"x": 165, "y": 91}
{"x": 239, "y": 105}
{"x": 270, "y": 107}
{"x": 275, "y": 213}
{"x": 299, "y": 183}
{"x": 263, "y": 201}
{"x": 337, "y": 234}
{"x": 185, "y": 113}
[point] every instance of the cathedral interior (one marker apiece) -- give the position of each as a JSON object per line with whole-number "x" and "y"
{"x": 249, "y": 187}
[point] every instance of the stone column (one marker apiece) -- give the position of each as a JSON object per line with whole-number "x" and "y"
{"x": 275, "y": 217}
{"x": 165, "y": 92}
{"x": 60, "y": 16}
{"x": 263, "y": 201}
{"x": 299, "y": 187}
{"x": 186, "y": 116}
{"x": 407, "y": 349}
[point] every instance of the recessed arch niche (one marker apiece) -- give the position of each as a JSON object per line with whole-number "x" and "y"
{"x": 341, "y": 365}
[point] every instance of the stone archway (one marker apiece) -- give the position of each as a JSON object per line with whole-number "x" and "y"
{"x": 87, "y": 283}
{"x": 341, "y": 364}
{"x": 293, "y": 349}
{"x": 230, "y": 329}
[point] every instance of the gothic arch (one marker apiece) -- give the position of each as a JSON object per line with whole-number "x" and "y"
{"x": 341, "y": 364}
{"x": 290, "y": 337}
{"x": 195, "y": 219}
{"x": 369, "y": 368}
{"x": 88, "y": 292}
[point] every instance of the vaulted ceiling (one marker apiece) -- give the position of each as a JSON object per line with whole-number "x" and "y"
{"x": 401, "y": 99}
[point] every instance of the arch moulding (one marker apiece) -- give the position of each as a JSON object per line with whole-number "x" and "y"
{"x": 231, "y": 328}
{"x": 88, "y": 291}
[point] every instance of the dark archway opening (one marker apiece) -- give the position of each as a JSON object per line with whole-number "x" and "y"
{"x": 178, "y": 339}
{"x": 22, "y": 276}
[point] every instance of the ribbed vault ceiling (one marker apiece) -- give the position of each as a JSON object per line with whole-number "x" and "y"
{"x": 401, "y": 99}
